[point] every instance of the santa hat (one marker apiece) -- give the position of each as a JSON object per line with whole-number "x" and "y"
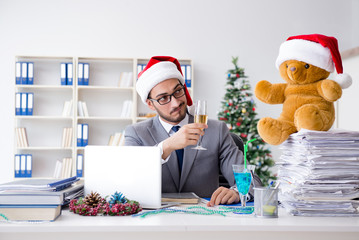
{"x": 158, "y": 69}
{"x": 319, "y": 50}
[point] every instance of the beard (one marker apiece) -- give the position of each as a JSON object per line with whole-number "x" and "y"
{"x": 182, "y": 111}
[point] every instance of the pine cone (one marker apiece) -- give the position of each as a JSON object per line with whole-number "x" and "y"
{"x": 93, "y": 199}
{"x": 118, "y": 197}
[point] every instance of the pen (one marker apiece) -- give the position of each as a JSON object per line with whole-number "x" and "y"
{"x": 272, "y": 194}
{"x": 268, "y": 188}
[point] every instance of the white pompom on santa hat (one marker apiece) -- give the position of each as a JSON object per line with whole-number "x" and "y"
{"x": 159, "y": 69}
{"x": 316, "y": 49}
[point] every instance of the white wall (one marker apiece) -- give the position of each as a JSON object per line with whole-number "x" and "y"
{"x": 347, "y": 108}
{"x": 207, "y": 31}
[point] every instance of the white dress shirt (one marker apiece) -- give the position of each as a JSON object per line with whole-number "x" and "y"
{"x": 168, "y": 128}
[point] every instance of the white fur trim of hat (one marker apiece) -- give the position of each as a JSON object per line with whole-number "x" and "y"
{"x": 305, "y": 51}
{"x": 157, "y": 73}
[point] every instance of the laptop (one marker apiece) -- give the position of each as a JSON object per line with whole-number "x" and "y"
{"x": 135, "y": 171}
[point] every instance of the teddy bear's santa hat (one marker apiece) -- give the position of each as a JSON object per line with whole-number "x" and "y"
{"x": 158, "y": 69}
{"x": 316, "y": 49}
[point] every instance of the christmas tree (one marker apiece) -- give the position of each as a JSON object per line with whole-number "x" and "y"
{"x": 238, "y": 111}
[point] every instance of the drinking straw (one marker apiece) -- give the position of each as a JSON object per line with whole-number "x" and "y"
{"x": 245, "y": 152}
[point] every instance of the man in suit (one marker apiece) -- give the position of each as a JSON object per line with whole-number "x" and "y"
{"x": 162, "y": 88}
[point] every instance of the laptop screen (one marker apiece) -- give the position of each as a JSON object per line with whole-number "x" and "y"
{"x": 135, "y": 171}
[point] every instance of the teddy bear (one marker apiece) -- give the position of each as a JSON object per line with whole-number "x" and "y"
{"x": 304, "y": 62}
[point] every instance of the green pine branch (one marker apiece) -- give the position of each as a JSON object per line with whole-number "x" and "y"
{"x": 238, "y": 111}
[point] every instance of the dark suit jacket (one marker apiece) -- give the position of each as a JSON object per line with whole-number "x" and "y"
{"x": 200, "y": 171}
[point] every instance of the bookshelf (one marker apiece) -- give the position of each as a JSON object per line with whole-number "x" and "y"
{"x": 105, "y": 97}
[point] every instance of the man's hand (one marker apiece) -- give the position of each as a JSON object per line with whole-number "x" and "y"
{"x": 186, "y": 135}
{"x": 223, "y": 196}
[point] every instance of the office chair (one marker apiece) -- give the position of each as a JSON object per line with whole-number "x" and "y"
{"x": 238, "y": 141}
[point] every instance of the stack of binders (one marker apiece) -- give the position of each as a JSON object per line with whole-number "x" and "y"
{"x": 23, "y": 165}
{"x": 82, "y": 134}
{"x": 66, "y": 72}
{"x": 38, "y": 199}
{"x": 83, "y": 75}
{"x": 319, "y": 173}
{"x": 187, "y": 74}
{"x": 24, "y": 102}
{"x": 24, "y": 73}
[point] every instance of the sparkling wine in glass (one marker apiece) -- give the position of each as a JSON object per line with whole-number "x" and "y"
{"x": 200, "y": 116}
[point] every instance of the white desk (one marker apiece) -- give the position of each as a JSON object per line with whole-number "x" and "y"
{"x": 184, "y": 226}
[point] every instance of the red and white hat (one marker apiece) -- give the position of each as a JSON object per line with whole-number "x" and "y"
{"x": 316, "y": 49}
{"x": 158, "y": 69}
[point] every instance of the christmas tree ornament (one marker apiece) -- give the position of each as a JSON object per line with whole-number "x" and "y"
{"x": 244, "y": 110}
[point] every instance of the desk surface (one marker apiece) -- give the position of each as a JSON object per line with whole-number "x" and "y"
{"x": 178, "y": 226}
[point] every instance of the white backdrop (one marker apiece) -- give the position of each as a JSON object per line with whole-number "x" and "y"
{"x": 209, "y": 32}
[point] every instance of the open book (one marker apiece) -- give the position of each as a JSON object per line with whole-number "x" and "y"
{"x": 185, "y": 198}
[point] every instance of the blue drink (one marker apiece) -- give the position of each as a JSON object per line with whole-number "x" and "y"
{"x": 243, "y": 181}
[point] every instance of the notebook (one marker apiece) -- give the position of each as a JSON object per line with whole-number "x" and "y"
{"x": 135, "y": 171}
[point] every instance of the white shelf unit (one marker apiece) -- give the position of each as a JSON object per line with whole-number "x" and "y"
{"x": 45, "y": 127}
{"x": 103, "y": 97}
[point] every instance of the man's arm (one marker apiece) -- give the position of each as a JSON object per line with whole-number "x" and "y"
{"x": 186, "y": 135}
{"x": 131, "y": 137}
{"x": 229, "y": 155}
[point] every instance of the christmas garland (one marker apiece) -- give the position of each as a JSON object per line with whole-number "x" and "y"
{"x": 93, "y": 204}
{"x": 199, "y": 210}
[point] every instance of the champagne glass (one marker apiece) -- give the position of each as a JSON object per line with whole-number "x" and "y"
{"x": 200, "y": 116}
{"x": 243, "y": 176}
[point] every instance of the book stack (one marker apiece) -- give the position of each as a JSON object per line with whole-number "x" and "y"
{"x": 118, "y": 139}
{"x": 126, "y": 109}
{"x": 37, "y": 199}
{"x": 66, "y": 137}
{"x": 182, "y": 198}
{"x": 63, "y": 169}
{"x": 67, "y": 110}
{"x": 319, "y": 173}
{"x": 125, "y": 79}
{"x": 82, "y": 109}
{"x": 21, "y": 137}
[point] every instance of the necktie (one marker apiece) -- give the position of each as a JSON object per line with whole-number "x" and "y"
{"x": 179, "y": 152}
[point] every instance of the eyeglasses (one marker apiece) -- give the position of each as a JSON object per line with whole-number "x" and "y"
{"x": 167, "y": 98}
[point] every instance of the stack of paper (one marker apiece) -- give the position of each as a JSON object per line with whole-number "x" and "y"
{"x": 319, "y": 173}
